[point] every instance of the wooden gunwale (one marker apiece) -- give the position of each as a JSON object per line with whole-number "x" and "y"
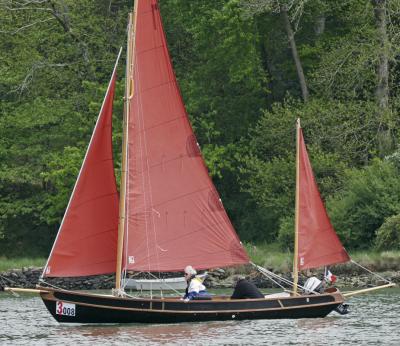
{"x": 49, "y": 295}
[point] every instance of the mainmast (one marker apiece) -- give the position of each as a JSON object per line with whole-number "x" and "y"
{"x": 129, "y": 90}
{"x": 296, "y": 226}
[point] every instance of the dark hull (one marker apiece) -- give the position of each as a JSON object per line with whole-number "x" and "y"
{"x": 94, "y": 308}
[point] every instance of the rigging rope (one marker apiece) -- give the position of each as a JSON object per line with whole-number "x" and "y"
{"x": 369, "y": 271}
{"x": 41, "y": 281}
{"x": 271, "y": 275}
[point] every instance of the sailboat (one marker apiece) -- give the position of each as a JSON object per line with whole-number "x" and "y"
{"x": 167, "y": 214}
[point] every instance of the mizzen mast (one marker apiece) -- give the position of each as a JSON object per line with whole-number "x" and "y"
{"x": 296, "y": 226}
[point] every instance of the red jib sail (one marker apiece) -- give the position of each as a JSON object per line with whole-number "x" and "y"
{"x": 318, "y": 244}
{"x": 86, "y": 243}
{"x": 174, "y": 216}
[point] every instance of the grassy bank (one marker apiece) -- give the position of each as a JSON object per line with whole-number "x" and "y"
{"x": 18, "y": 263}
{"x": 271, "y": 256}
{"x": 266, "y": 255}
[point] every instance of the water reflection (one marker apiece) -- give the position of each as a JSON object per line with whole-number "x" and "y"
{"x": 373, "y": 320}
{"x": 319, "y": 323}
{"x": 150, "y": 333}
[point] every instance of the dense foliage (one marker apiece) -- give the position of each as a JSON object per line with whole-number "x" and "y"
{"x": 247, "y": 69}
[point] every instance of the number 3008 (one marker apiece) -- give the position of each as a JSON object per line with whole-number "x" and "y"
{"x": 65, "y": 309}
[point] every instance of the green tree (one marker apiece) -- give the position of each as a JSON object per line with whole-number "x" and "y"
{"x": 388, "y": 235}
{"x": 56, "y": 59}
{"x": 368, "y": 197}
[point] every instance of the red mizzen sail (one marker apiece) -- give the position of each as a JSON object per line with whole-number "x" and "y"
{"x": 86, "y": 243}
{"x": 174, "y": 216}
{"x": 319, "y": 244}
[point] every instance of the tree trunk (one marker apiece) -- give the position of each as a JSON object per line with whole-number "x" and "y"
{"x": 319, "y": 27}
{"x": 62, "y": 18}
{"x": 382, "y": 88}
{"x": 385, "y": 140}
{"x": 296, "y": 58}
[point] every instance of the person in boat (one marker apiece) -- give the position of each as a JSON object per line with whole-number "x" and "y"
{"x": 313, "y": 284}
{"x": 245, "y": 289}
{"x": 195, "y": 289}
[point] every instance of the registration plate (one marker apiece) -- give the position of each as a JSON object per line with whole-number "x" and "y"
{"x": 65, "y": 309}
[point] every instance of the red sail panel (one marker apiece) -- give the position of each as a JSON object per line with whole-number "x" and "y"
{"x": 174, "y": 216}
{"x": 86, "y": 243}
{"x": 319, "y": 244}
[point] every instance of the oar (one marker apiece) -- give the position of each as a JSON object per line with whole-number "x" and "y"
{"x": 365, "y": 290}
{"x": 23, "y": 290}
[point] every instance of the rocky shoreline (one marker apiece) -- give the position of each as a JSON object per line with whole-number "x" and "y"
{"x": 29, "y": 277}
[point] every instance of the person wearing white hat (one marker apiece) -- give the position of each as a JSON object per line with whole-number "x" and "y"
{"x": 195, "y": 288}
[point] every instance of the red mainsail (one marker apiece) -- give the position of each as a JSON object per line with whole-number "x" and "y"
{"x": 318, "y": 243}
{"x": 86, "y": 243}
{"x": 174, "y": 216}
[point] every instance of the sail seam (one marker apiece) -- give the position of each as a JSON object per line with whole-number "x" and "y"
{"x": 89, "y": 236}
{"x": 193, "y": 232}
{"x": 181, "y": 196}
{"x": 139, "y": 92}
{"x": 157, "y": 164}
{"x": 149, "y": 49}
{"x": 95, "y": 199}
{"x": 161, "y": 124}
{"x": 146, "y": 12}
{"x": 168, "y": 161}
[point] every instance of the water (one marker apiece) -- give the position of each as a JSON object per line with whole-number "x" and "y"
{"x": 374, "y": 319}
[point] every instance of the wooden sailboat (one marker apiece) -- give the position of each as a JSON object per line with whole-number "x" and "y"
{"x": 168, "y": 214}
{"x": 316, "y": 242}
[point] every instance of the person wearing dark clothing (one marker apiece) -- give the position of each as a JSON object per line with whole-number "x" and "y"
{"x": 246, "y": 290}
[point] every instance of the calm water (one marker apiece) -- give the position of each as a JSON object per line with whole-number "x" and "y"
{"x": 374, "y": 319}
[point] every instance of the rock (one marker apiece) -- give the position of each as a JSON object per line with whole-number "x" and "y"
{"x": 218, "y": 278}
{"x": 14, "y": 275}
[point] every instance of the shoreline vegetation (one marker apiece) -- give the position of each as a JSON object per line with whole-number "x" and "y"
{"x": 266, "y": 255}
{"x": 24, "y": 272}
{"x": 242, "y": 97}
{"x": 271, "y": 256}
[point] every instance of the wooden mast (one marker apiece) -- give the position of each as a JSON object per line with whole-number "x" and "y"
{"x": 129, "y": 89}
{"x": 296, "y": 226}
